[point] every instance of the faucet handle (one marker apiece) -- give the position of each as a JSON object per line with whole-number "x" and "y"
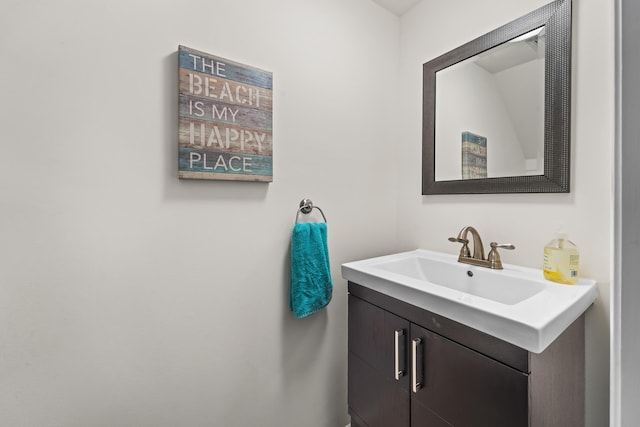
{"x": 495, "y": 245}
{"x": 494, "y": 256}
{"x": 464, "y": 251}
{"x": 458, "y": 240}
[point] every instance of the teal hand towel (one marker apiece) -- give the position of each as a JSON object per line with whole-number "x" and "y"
{"x": 310, "y": 285}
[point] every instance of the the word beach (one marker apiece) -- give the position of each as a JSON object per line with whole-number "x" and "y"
{"x": 226, "y": 121}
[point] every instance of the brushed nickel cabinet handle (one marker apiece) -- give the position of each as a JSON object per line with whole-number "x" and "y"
{"x": 397, "y": 372}
{"x": 415, "y": 384}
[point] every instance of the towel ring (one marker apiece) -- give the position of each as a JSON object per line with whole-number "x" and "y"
{"x": 306, "y": 206}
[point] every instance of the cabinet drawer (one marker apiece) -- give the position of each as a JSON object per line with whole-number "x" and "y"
{"x": 376, "y": 401}
{"x": 379, "y": 338}
{"x": 466, "y": 388}
{"x": 378, "y": 391}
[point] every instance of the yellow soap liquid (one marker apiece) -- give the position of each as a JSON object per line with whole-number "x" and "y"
{"x": 561, "y": 262}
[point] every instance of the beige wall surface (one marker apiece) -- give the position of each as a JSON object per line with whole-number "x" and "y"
{"x": 131, "y": 298}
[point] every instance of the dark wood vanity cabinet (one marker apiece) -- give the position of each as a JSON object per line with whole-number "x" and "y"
{"x": 376, "y": 396}
{"x": 409, "y": 367}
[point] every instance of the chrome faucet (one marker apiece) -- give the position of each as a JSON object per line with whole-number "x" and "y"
{"x": 493, "y": 259}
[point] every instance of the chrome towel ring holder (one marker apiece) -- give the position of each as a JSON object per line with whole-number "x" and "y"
{"x": 306, "y": 206}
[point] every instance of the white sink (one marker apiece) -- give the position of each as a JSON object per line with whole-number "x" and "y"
{"x": 515, "y": 304}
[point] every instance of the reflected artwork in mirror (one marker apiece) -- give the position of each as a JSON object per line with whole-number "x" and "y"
{"x": 496, "y": 110}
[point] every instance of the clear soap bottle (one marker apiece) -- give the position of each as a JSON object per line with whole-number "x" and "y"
{"x": 561, "y": 260}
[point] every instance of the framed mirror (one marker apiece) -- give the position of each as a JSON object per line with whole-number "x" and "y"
{"x": 496, "y": 110}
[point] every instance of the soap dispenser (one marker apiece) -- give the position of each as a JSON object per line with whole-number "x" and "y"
{"x": 561, "y": 260}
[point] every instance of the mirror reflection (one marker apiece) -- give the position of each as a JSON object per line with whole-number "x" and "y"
{"x": 489, "y": 118}
{"x": 497, "y": 109}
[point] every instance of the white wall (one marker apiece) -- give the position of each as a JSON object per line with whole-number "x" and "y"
{"x": 130, "y": 298}
{"x": 526, "y": 107}
{"x": 474, "y": 103}
{"x": 526, "y": 220}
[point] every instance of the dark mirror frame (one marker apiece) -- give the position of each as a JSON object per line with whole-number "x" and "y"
{"x": 556, "y": 17}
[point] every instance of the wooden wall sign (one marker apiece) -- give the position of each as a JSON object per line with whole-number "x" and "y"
{"x": 225, "y": 112}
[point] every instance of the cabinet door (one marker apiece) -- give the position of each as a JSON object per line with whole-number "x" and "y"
{"x": 378, "y": 366}
{"x": 463, "y": 388}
